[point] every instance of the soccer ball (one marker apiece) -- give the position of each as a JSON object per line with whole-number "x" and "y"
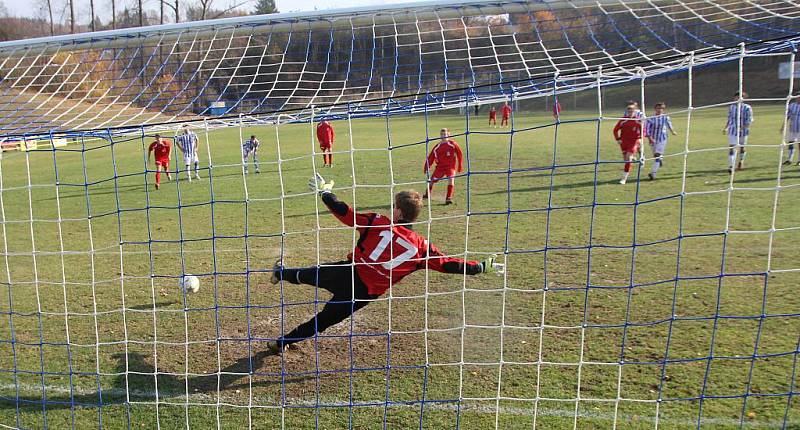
{"x": 190, "y": 283}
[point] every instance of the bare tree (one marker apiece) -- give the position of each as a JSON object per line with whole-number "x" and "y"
{"x": 46, "y": 7}
{"x": 206, "y": 10}
{"x": 113, "y": 14}
{"x": 141, "y": 14}
{"x": 205, "y": 6}
{"x": 71, "y": 16}
{"x": 173, "y": 7}
{"x": 91, "y": 8}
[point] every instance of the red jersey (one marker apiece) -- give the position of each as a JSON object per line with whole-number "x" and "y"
{"x": 506, "y": 109}
{"x": 556, "y": 109}
{"x": 386, "y": 253}
{"x": 325, "y": 133}
{"x": 446, "y": 155}
{"x": 161, "y": 148}
{"x": 492, "y": 113}
{"x": 628, "y": 130}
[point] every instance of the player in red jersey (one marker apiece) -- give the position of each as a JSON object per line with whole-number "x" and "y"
{"x": 388, "y": 250}
{"x": 628, "y": 134}
{"x": 556, "y": 110}
{"x": 506, "y": 111}
{"x": 448, "y": 158}
{"x": 325, "y": 136}
{"x": 493, "y": 117}
{"x": 162, "y": 149}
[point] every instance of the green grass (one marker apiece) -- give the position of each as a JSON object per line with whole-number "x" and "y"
{"x": 541, "y": 321}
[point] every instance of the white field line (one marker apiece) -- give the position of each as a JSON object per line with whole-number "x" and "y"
{"x": 235, "y": 396}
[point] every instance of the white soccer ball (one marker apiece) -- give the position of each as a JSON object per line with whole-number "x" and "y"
{"x": 190, "y": 283}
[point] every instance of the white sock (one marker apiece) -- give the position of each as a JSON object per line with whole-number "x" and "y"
{"x": 732, "y": 158}
{"x": 791, "y": 152}
{"x": 656, "y": 165}
{"x": 189, "y": 172}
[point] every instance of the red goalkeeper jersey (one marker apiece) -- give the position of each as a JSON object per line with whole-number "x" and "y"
{"x": 446, "y": 155}
{"x": 506, "y": 111}
{"x": 386, "y": 253}
{"x": 161, "y": 148}
{"x": 325, "y": 133}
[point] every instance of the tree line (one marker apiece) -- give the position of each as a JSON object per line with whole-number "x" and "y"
{"x": 56, "y": 17}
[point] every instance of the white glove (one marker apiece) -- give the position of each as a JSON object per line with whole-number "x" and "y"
{"x": 318, "y": 184}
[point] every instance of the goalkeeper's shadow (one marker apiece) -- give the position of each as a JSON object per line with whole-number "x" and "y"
{"x": 136, "y": 379}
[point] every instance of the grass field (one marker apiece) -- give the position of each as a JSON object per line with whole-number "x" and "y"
{"x": 591, "y": 331}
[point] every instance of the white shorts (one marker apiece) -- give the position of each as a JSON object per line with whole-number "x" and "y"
{"x": 245, "y": 154}
{"x": 734, "y": 140}
{"x": 659, "y": 147}
{"x": 190, "y": 158}
{"x": 793, "y": 137}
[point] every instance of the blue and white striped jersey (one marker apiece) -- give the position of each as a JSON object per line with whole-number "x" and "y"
{"x": 636, "y": 114}
{"x": 739, "y": 126}
{"x": 187, "y": 142}
{"x": 250, "y": 145}
{"x": 793, "y": 117}
{"x": 656, "y": 127}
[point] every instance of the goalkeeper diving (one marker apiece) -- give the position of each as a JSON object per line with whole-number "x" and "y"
{"x": 388, "y": 249}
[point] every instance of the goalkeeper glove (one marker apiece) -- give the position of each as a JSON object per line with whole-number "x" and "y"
{"x": 318, "y": 184}
{"x": 490, "y": 266}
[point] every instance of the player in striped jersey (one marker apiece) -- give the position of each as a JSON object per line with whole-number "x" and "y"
{"x": 187, "y": 141}
{"x": 655, "y": 129}
{"x": 793, "y": 133}
{"x": 250, "y": 146}
{"x": 740, "y": 116}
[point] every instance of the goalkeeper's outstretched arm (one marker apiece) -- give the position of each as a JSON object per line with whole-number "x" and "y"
{"x": 341, "y": 210}
{"x": 440, "y": 263}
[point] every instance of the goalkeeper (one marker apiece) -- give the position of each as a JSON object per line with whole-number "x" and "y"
{"x": 387, "y": 250}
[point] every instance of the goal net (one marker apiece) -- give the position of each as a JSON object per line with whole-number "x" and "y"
{"x": 667, "y": 301}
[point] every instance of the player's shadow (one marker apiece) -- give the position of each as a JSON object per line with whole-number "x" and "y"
{"x": 103, "y": 190}
{"x": 136, "y": 380}
{"x": 721, "y": 173}
{"x": 150, "y": 306}
{"x": 641, "y": 178}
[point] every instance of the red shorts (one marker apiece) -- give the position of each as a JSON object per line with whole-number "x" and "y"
{"x": 631, "y": 146}
{"x": 325, "y": 146}
{"x": 163, "y": 162}
{"x": 442, "y": 173}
